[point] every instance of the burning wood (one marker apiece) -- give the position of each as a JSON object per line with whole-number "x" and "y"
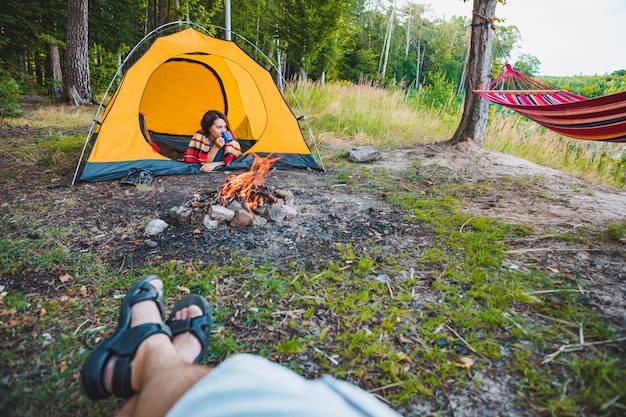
{"x": 242, "y": 200}
{"x": 246, "y": 187}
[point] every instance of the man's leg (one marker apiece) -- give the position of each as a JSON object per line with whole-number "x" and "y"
{"x": 159, "y": 374}
{"x": 175, "y": 379}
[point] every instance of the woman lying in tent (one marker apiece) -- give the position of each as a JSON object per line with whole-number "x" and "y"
{"x": 213, "y": 144}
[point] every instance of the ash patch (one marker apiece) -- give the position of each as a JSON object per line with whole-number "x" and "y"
{"x": 327, "y": 220}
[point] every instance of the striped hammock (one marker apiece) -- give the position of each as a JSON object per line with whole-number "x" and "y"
{"x": 600, "y": 118}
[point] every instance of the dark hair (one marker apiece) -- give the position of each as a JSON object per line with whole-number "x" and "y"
{"x": 210, "y": 117}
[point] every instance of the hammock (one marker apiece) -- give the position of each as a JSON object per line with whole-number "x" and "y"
{"x": 600, "y": 118}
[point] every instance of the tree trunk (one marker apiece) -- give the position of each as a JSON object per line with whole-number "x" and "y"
{"x": 175, "y": 16}
{"x": 77, "y": 77}
{"x": 161, "y": 12}
{"x": 478, "y": 71}
{"x": 55, "y": 81}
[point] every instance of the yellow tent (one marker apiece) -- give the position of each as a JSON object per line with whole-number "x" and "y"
{"x": 162, "y": 97}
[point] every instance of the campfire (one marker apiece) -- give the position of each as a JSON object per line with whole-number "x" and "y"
{"x": 242, "y": 200}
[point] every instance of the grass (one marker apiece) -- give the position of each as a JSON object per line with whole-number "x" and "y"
{"x": 601, "y": 162}
{"x": 461, "y": 311}
{"x": 369, "y": 115}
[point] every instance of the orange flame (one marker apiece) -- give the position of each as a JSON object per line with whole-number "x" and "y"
{"x": 243, "y": 187}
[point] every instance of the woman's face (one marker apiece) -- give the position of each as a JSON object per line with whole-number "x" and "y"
{"x": 218, "y": 127}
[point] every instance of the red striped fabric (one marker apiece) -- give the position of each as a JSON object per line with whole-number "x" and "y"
{"x": 600, "y": 118}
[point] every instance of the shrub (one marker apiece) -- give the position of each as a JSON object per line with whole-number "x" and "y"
{"x": 9, "y": 96}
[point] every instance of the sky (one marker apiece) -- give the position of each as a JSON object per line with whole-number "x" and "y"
{"x": 569, "y": 37}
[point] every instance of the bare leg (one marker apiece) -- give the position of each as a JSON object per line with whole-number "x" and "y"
{"x": 159, "y": 373}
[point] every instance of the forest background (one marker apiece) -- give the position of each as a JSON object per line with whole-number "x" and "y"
{"x": 419, "y": 61}
{"x": 355, "y": 41}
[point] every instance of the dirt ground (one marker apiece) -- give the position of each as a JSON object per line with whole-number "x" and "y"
{"x": 109, "y": 219}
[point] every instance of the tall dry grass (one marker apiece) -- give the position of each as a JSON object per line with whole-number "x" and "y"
{"x": 371, "y": 115}
{"x": 54, "y": 116}
{"x": 597, "y": 161}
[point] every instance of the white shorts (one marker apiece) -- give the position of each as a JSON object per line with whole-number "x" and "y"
{"x": 247, "y": 385}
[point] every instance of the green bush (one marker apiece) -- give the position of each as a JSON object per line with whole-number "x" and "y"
{"x": 9, "y": 96}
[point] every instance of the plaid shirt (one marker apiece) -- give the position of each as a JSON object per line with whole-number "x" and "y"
{"x": 198, "y": 148}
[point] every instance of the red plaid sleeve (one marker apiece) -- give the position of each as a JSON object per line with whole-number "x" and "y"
{"x": 198, "y": 148}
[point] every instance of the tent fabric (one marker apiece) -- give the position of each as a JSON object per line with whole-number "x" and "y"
{"x": 598, "y": 119}
{"x": 166, "y": 93}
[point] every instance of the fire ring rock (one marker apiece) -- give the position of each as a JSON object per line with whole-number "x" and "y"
{"x": 363, "y": 154}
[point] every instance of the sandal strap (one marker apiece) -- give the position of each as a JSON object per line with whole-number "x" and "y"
{"x": 198, "y": 326}
{"x": 146, "y": 292}
{"x": 125, "y": 350}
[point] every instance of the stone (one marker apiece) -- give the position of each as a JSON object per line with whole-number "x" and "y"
{"x": 155, "y": 227}
{"x": 242, "y": 218}
{"x": 276, "y": 213}
{"x": 363, "y": 154}
{"x": 210, "y": 223}
{"x": 235, "y": 205}
{"x": 221, "y": 213}
{"x": 290, "y": 211}
{"x": 286, "y": 195}
{"x": 259, "y": 221}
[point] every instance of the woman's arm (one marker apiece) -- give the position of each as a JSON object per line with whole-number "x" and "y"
{"x": 211, "y": 164}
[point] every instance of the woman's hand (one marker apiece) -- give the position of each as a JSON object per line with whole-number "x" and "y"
{"x": 220, "y": 142}
{"x": 210, "y": 166}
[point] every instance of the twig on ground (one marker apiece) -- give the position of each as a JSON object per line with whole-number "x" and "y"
{"x": 331, "y": 359}
{"x": 561, "y": 290}
{"x": 522, "y": 251}
{"x": 519, "y": 326}
{"x": 395, "y": 384}
{"x": 581, "y": 336}
{"x": 390, "y": 290}
{"x": 463, "y": 225}
{"x": 465, "y": 342}
{"x": 81, "y": 325}
{"x": 567, "y": 323}
{"x": 578, "y": 346}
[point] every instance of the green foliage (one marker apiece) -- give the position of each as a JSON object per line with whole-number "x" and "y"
{"x": 103, "y": 66}
{"x": 590, "y": 85}
{"x": 440, "y": 93}
{"x": 527, "y": 64}
{"x": 9, "y": 98}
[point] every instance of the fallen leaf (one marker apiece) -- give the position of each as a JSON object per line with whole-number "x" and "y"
{"x": 406, "y": 340}
{"x": 196, "y": 232}
{"x": 9, "y": 312}
{"x": 466, "y": 362}
{"x": 42, "y": 312}
{"x": 183, "y": 289}
{"x": 65, "y": 278}
{"x": 189, "y": 272}
{"x": 554, "y": 270}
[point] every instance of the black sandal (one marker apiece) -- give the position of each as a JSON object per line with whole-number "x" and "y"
{"x": 199, "y": 326}
{"x": 123, "y": 345}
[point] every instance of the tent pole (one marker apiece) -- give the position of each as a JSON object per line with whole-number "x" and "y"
{"x": 227, "y": 19}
